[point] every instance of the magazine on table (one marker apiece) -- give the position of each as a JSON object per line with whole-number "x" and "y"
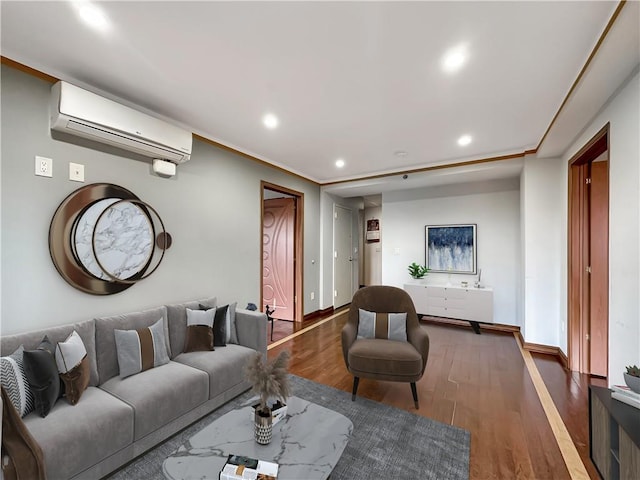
{"x": 239, "y": 467}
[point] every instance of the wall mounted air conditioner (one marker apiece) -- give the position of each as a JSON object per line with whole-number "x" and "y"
{"x": 85, "y": 114}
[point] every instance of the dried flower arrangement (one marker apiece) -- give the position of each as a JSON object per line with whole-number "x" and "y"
{"x": 269, "y": 380}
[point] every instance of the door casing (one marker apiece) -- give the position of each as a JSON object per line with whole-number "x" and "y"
{"x": 588, "y": 260}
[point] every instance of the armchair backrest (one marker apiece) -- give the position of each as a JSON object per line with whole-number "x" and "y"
{"x": 383, "y": 299}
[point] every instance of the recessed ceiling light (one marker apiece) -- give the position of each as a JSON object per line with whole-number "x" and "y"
{"x": 92, "y": 16}
{"x": 454, "y": 59}
{"x": 400, "y": 153}
{"x": 340, "y": 163}
{"x": 270, "y": 120}
{"x": 464, "y": 140}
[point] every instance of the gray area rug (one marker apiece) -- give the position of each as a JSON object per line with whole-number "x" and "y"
{"x": 387, "y": 443}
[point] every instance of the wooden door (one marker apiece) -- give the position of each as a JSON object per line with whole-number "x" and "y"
{"x": 578, "y": 298}
{"x": 599, "y": 264}
{"x": 278, "y": 289}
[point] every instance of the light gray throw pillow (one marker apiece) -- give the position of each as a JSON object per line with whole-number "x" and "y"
{"x": 140, "y": 350}
{"x": 366, "y": 324}
{"x": 232, "y": 334}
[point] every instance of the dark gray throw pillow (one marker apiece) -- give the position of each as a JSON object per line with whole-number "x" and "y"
{"x": 42, "y": 375}
{"x": 219, "y": 325}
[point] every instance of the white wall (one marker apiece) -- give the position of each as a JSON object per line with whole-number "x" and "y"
{"x": 623, "y": 114}
{"x": 497, "y": 215}
{"x": 211, "y": 208}
{"x": 373, "y": 250}
{"x": 544, "y": 240}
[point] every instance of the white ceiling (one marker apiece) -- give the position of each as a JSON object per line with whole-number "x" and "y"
{"x": 351, "y": 80}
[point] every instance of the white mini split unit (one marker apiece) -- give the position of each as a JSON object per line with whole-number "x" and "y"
{"x": 85, "y": 114}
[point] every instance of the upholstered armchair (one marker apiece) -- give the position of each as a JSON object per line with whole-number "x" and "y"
{"x": 373, "y": 340}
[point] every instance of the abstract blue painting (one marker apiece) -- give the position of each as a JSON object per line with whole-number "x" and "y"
{"x": 451, "y": 248}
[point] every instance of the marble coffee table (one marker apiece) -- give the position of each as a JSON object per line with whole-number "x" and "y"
{"x": 306, "y": 444}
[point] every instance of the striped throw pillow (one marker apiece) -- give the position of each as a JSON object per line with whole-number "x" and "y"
{"x": 14, "y": 381}
{"x": 140, "y": 350}
{"x": 389, "y": 326}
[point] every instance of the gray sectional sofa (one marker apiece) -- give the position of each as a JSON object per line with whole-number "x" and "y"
{"x": 118, "y": 419}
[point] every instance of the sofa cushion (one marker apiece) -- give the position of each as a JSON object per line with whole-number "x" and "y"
{"x": 73, "y": 365}
{"x": 384, "y": 358}
{"x": 42, "y": 375}
{"x": 14, "y": 381}
{"x": 160, "y": 395}
{"x": 74, "y": 438}
{"x": 177, "y": 317}
{"x": 31, "y": 340}
{"x": 106, "y": 353}
{"x": 141, "y": 349}
{"x": 224, "y": 366}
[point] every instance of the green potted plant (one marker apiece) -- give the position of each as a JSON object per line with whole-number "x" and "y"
{"x": 269, "y": 380}
{"x": 417, "y": 271}
{"x": 632, "y": 378}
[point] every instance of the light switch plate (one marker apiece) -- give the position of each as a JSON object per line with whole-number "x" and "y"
{"x": 76, "y": 172}
{"x": 44, "y": 166}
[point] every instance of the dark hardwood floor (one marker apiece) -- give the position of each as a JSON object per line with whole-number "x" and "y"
{"x": 476, "y": 382}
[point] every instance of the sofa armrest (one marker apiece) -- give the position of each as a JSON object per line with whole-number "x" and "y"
{"x": 251, "y": 327}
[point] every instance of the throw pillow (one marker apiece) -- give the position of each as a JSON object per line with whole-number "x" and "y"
{"x": 366, "y": 324}
{"x": 397, "y": 327}
{"x": 199, "y": 330}
{"x": 232, "y": 334}
{"x": 73, "y": 365}
{"x": 42, "y": 374}
{"x": 219, "y": 325}
{"x": 140, "y": 350}
{"x": 389, "y": 326}
{"x": 14, "y": 381}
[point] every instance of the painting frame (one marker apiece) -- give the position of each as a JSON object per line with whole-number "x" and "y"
{"x": 451, "y": 248}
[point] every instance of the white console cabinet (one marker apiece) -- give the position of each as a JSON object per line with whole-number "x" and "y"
{"x": 463, "y": 303}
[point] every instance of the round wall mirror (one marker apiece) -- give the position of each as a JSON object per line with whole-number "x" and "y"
{"x": 102, "y": 239}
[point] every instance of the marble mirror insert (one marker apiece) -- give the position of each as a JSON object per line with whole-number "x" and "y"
{"x": 131, "y": 249}
{"x": 114, "y": 239}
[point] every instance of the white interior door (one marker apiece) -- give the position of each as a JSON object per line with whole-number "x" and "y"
{"x": 342, "y": 256}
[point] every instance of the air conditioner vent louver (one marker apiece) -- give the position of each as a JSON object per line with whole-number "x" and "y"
{"x": 85, "y": 114}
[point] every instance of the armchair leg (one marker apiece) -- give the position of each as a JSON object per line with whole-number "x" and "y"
{"x": 356, "y": 380}
{"x": 414, "y": 392}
